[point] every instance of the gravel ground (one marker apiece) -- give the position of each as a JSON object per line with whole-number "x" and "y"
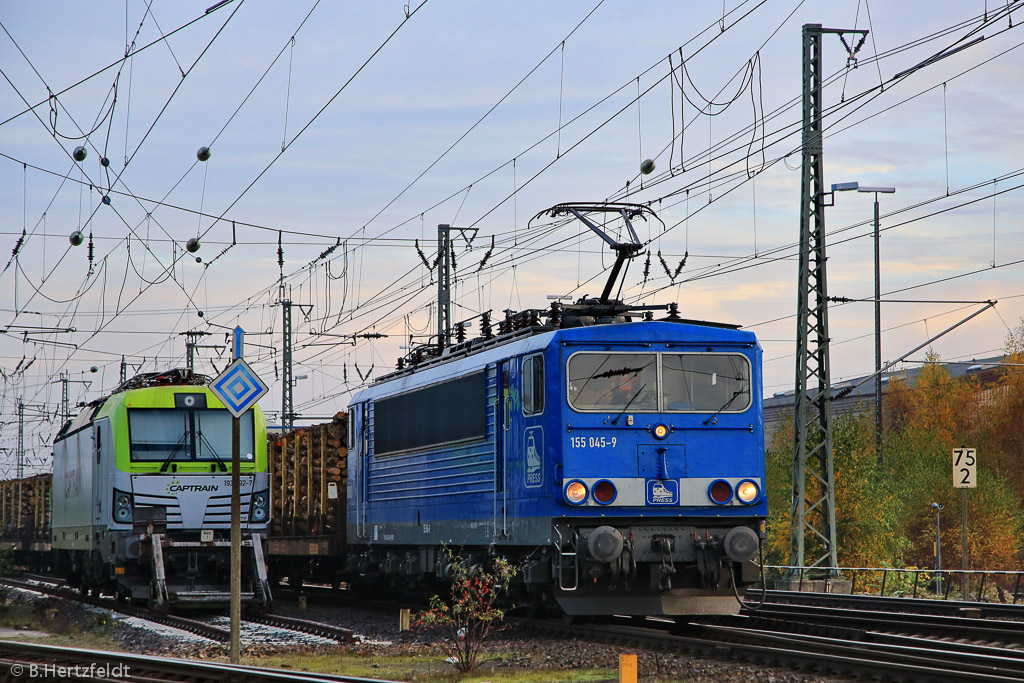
{"x": 378, "y": 636}
{"x": 519, "y": 649}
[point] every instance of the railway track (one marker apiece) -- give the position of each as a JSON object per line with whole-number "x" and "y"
{"x": 859, "y": 642}
{"x": 875, "y": 644}
{"x": 342, "y": 635}
{"x": 1005, "y": 633}
{"x": 911, "y": 659}
{"x": 985, "y": 610}
{"x": 53, "y": 588}
{"x": 191, "y": 625}
{"x": 17, "y": 660}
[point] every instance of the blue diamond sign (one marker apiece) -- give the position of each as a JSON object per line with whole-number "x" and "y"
{"x": 238, "y": 387}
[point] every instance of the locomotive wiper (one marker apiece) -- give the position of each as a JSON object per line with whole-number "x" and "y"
{"x": 714, "y": 418}
{"x": 213, "y": 451}
{"x": 177, "y": 447}
{"x": 630, "y": 402}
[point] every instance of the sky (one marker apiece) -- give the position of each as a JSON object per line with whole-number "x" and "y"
{"x": 341, "y": 134}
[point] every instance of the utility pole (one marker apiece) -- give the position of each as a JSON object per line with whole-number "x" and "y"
{"x": 65, "y": 406}
{"x": 878, "y": 344}
{"x": 65, "y": 394}
{"x": 444, "y": 291}
{"x": 191, "y": 344}
{"x": 236, "y": 520}
{"x": 21, "y": 443}
{"x": 288, "y": 384}
{"x": 444, "y": 283}
{"x": 813, "y": 507}
{"x": 20, "y": 459}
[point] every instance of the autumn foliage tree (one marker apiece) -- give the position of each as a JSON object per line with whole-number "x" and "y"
{"x": 883, "y": 516}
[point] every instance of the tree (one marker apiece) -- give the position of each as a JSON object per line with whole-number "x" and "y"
{"x": 883, "y": 516}
{"x": 469, "y": 615}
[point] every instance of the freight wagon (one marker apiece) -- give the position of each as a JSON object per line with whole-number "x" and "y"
{"x": 25, "y": 519}
{"x": 309, "y": 477}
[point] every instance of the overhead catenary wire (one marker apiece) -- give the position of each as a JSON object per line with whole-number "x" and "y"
{"x": 498, "y": 264}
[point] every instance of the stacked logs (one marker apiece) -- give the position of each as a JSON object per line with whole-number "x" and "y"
{"x": 25, "y": 507}
{"x": 309, "y": 476}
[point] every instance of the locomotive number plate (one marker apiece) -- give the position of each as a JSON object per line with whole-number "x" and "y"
{"x": 593, "y": 441}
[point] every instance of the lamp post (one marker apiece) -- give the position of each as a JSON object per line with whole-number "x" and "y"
{"x": 839, "y": 187}
{"x": 938, "y": 507}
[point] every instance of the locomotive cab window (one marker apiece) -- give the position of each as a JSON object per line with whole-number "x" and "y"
{"x": 161, "y": 434}
{"x": 705, "y": 382}
{"x": 659, "y": 382}
{"x": 613, "y": 381}
{"x": 533, "y": 385}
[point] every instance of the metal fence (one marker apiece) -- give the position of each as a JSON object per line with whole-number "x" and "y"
{"x": 883, "y": 581}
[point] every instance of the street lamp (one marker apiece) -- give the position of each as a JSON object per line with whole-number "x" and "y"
{"x": 938, "y": 507}
{"x": 840, "y": 187}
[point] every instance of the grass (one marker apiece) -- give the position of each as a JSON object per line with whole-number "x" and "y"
{"x": 64, "y": 627}
{"x": 425, "y": 669}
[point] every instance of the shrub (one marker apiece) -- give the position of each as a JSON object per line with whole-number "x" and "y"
{"x": 469, "y": 614}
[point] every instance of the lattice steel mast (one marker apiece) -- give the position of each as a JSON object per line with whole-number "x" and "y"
{"x": 813, "y": 507}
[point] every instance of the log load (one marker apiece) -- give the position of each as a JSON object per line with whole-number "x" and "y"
{"x": 25, "y": 507}
{"x": 309, "y": 478}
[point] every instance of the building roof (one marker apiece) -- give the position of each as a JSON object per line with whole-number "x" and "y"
{"x": 866, "y": 391}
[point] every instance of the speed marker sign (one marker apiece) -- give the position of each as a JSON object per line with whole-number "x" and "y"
{"x": 965, "y": 468}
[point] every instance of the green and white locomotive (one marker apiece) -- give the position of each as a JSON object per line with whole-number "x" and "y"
{"x": 142, "y": 494}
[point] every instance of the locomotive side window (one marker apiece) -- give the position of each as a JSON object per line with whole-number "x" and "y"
{"x": 422, "y": 417}
{"x": 533, "y": 385}
{"x": 705, "y": 382}
{"x": 613, "y": 381}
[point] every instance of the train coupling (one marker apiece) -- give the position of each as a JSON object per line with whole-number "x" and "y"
{"x": 199, "y": 587}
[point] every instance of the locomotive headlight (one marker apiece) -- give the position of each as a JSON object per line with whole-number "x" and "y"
{"x": 576, "y": 492}
{"x": 747, "y": 491}
{"x": 259, "y": 510}
{"x": 660, "y": 431}
{"x": 122, "y": 507}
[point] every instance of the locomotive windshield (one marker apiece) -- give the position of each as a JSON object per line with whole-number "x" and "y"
{"x": 159, "y": 435}
{"x": 611, "y": 381}
{"x": 659, "y": 382}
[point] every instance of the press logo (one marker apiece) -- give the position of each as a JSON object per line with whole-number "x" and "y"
{"x": 534, "y": 458}
{"x": 662, "y": 492}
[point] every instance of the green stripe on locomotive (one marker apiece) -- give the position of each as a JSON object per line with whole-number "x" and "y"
{"x": 116, "y": 410}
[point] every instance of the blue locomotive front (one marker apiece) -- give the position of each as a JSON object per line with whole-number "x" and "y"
{"x": 622, "y": 465}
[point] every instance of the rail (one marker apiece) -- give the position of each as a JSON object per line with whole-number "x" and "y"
{"x": 191, "y": 625}
{"x": 940, "y": 581}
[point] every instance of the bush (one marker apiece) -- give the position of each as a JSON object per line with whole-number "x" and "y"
{"x": 469, "y": 615}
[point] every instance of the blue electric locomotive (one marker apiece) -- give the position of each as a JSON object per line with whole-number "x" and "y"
{"x": 619, "y": 461}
